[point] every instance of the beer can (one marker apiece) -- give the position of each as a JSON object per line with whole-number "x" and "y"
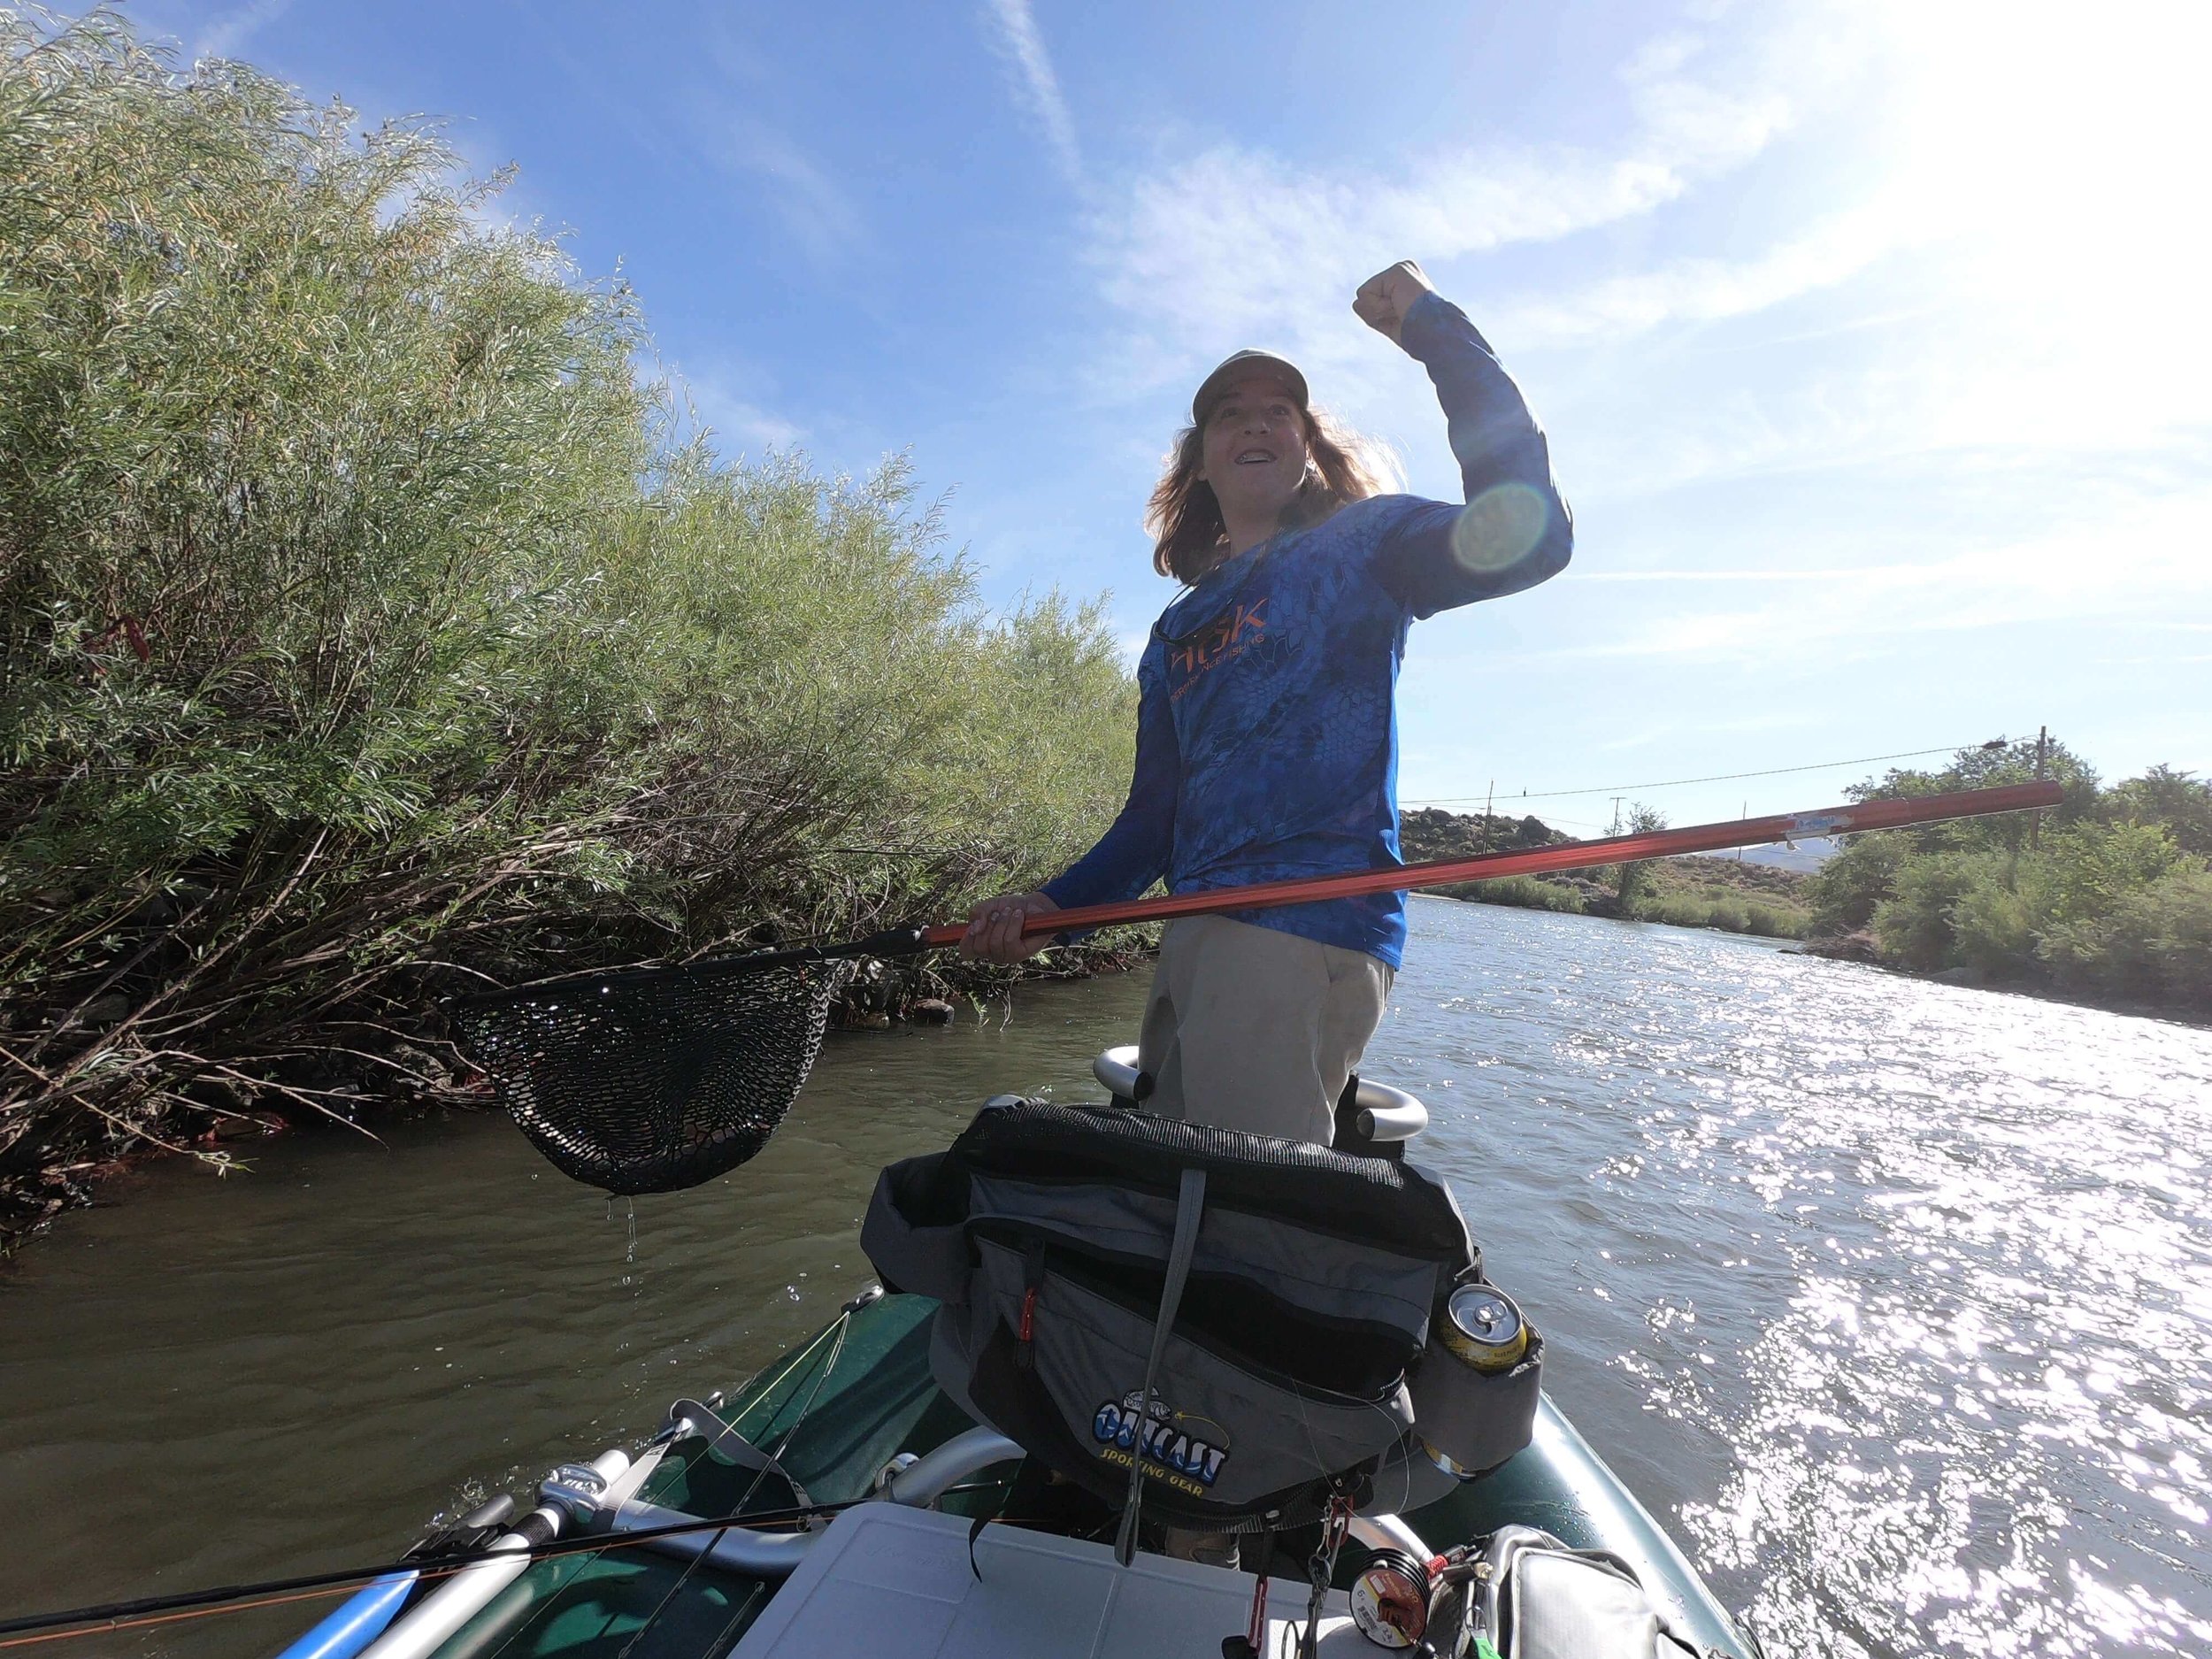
{"x": 1443, "y": 1460}
{"x": 1483, "y": 1328}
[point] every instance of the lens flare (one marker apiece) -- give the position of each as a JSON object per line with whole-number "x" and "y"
{"x": 1498, "y": 528}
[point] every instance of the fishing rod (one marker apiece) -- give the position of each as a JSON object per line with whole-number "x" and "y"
{"x": 912, "y": 940}
{"x": 1613, "y": 850}
{"x": 653, "y": 1079}
{"x": 223, "y": 1598}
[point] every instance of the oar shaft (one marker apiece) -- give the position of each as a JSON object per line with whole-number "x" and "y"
{"x": 1698, "y": 838}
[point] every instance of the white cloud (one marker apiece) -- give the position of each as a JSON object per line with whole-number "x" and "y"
{"x": 737, "y": 421}
{"x": 2131, "y": 569}
{"x": 1227, "y": 245}
{"x": 2025, "y": 187}
{"x": 2017, "y": 272}
{"x": 1704, "y": 290}
{"x": 757, "y": 427}
{"x": 229, "y": 31}
{"x": 1015, "y": 37}
{"x": 814, "y": 207}
{"x": 1845, "y": 574}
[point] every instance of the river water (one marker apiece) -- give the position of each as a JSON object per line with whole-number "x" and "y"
{"x": 1893, "y": 1299}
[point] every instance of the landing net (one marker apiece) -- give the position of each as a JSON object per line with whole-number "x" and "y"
{"x": 657, "y": 1079}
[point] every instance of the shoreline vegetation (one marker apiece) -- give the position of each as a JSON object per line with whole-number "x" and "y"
{"x": 1719, "y": 893}
{"x": 2105, "y": 899}
{"x": 379, "y": 626}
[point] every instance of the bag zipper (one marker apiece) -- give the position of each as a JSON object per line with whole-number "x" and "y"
{"x": 1346, "y": 1236}
{"x": 1032, "y": 1282}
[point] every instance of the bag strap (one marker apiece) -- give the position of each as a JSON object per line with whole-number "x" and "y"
{"x": 1190, "y": 1200}
{"x": 727, "y": 1443}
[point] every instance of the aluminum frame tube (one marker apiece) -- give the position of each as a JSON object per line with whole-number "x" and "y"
{"x": 921, "y": 1483}
{"x": 735, "y": 1549}
{"x": 428, "y": 1625}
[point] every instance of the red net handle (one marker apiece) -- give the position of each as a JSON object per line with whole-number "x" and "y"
{"x": 1696, "y": 838}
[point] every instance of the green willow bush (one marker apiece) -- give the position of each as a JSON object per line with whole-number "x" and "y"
{"x": 372, "y": 630}
{"x": 2109, "y": 898}
{"x": 1528, "y": 892}
{"x": 1729, "y": 912}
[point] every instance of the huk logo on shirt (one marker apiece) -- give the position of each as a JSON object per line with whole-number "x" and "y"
{"x": 1172, "y": 1452}
{"x": 1223, "y": 639}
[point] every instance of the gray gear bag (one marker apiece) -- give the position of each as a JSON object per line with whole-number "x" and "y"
{"x": 1237, "y": 1325}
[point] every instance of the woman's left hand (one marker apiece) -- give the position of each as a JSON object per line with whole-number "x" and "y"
{"x": 994, "y": 927}
{"x": 1384, "y": 299}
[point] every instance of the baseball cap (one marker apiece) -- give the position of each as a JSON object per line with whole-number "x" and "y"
{"x": 1236, "y": 367}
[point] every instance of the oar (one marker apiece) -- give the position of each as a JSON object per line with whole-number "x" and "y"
{"x": 648, "y": 1079}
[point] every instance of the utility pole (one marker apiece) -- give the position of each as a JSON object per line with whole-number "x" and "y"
{"x": 1616, "y": 814}
{"x": 2042, "y": 752}
{"x": 1744, "y": 814}
{"x": 1488, "y": 802}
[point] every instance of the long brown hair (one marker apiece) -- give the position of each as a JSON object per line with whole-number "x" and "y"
{"x": 1189, "y": 536}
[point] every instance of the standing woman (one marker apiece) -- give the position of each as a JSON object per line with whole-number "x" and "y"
{"x": 1267, "y": 733}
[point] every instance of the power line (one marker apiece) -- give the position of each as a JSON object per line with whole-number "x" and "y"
{"x": 1723, "y": 777}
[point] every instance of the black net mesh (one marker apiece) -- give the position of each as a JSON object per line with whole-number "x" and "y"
{"x": 658, "y": 1080}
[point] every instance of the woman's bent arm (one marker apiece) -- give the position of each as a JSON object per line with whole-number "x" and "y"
{"x": 1514, "y": 530}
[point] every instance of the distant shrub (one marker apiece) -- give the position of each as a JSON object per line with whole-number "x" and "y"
{"x": 1674, "y": 910}
{"x": 1774, "y": 921}
{"x": 1728, "y": 912}
{"x": 2157, "y": 944}
{"x": 1529, "y": 893}
{"x": 1993, "y": 928}
{"x": 1914, "y": 928}
{"x": 1847, "y": 889}
{"x": 2106, "y": 896}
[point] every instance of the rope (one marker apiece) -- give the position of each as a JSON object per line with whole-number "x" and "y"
{"x": 774, "y": 1460}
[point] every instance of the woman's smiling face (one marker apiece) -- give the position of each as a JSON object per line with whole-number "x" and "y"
{"x": 1254, "y": 449}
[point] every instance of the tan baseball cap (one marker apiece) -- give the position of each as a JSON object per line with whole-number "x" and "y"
{"x": 1237, "y": 367}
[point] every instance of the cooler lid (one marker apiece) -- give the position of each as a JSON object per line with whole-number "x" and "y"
{"x": 894, "y": 1583}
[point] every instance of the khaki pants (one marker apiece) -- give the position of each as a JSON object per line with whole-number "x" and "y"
{"x": 1251, "y": 1028}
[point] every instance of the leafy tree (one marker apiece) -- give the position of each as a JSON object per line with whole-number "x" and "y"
{"x": 370, "y": 628}
{"x": 1634, "y": 879}
{"x": 2179, "y": 801}
{"x": 1847, "y": 889}
{"x": 1984, "y": 767}
{"x": 2108, "y": 899}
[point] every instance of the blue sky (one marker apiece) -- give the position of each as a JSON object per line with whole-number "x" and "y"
{"x": 1871, "y": 338}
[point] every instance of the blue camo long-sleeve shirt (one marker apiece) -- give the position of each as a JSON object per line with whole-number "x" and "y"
{"x": 1267, "y": 729}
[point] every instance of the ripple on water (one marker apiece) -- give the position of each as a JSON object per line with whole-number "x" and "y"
{"x": 1895, "y": 1298}
{"x": 1924, "y": 1269}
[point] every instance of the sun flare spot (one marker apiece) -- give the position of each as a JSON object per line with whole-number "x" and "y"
{"x": 1501, "y": 526}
